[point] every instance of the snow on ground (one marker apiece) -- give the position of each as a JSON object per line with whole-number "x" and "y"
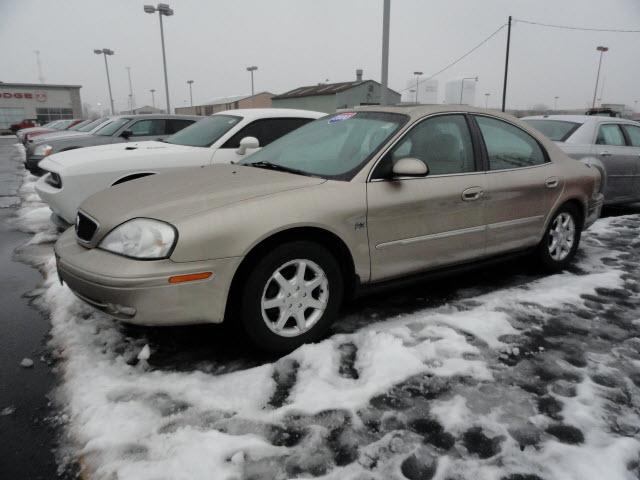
{"x": 536, "y": 380}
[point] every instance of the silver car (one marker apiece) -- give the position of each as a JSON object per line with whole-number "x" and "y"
{"x": 610, "y": 144}
{"x": 119, "y": 129}
{"x": 353, "y": 200}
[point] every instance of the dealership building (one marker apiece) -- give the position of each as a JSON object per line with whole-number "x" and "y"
{"x": 40, "y": 102}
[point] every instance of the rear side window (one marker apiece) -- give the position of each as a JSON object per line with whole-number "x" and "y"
{"x": 633, "y": 133}
{"x": 610, "y": 134}
{"x": 266, "y": 130}
{"x": 174, "y": 125}
{"x": 508, "y": 146}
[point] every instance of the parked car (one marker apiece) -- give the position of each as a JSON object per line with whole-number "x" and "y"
{"x": 224, "y": 137}
{"x": 26, "y": 123}
{"x": 51, "y": 126}
{"x": 64, "y": 125}
{"x": 353, "y": 200}
{"x": 119, "y": 129}
{"x": 80, "y": 129}
{"x": 612, "y": 145}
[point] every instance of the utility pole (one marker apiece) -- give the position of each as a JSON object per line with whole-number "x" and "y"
{"x": 163, "y": 10}
{"x": 133, "y": 102}
{"x": 190, "y": 82}
{"x": 153, "y": 97}
{"x": 506, "y": 67}
{"x": 417, "y": 74}
{"x": 555, "y": 103}
{"x": 104, "y": 52}
{"x": 600, "y": 49}
{"x": 486, "y": 100}
{"x": 40, "y": 74}
{"x": 384, "y": 76}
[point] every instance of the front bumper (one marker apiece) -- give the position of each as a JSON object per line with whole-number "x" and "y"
{"x": 594, "y": 209}
{"x": 139, "y": 291}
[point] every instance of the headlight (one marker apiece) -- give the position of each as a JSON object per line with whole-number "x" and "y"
{"x": 43, "y": 150}
{"x": 141, "y": 238}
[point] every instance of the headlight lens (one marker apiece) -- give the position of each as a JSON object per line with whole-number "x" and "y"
{"x": 141, "y": 238}
{"x": 43, "y": 150}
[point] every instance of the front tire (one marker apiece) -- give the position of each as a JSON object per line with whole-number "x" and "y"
{"x": 291, "y": 297}
{"x": 561, "y": 239}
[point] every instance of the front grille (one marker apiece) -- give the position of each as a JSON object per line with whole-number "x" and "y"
{"x": 54, "y": 180}
{"x": 85, "y": 227}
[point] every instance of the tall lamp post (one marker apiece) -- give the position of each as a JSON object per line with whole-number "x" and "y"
{"x": 252, "y": 69}
{"x": 105, "y": 52}
{"x": 163, "y": 10}
{"x": 600, "y": 49}
{"x": 462, "y": 85}
{"x": 131, "y": 99}
{"x": 190, "y": 82}
{"x": 417, "y": 74}
{"x": 153, "y": 97}
{"x": 486, "y": 100}
{"x": 555, "y": 103}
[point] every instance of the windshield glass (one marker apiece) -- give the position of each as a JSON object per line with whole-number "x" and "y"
{"x": 335, "y": 146}
{"x": 91, "y": 125}
{"x": 79, "y": 125}
{"x": 112, "y": 127}
{"x": 556, "y": 130}
{"x": 204, "y": 132}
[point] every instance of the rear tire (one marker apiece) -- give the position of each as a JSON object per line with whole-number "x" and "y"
{"x": 291, "y": 296}
{"x": 561, "y": 239}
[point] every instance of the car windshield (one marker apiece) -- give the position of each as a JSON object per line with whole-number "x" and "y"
{"x": 333, "y": 147}
{"x": 79, "y": 125}
{"x": 112, "y": 127}
{"x": 64, "y": 124}
{"x": 204, "y": 132}
{"x": 91, "y": 125}
{"x": 556, "y": 130}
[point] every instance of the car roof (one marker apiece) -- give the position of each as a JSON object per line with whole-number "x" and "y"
{"x": 581, "y": 118}
{"x": 418, "y": 111}
{"x": 254, "y": 113}
{"x": 155, "y": 115}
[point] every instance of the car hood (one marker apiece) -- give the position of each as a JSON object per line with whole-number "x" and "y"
{"x": 186, "y": 192}
{"x": 113, "y": 151}
{"x": 57, "y": 135}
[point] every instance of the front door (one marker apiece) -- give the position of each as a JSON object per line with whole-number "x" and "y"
{"x": 416, "y": 224}
{"x": 521, "y": 186}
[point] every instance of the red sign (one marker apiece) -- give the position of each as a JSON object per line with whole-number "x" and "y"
{"x": 40, "y": 96}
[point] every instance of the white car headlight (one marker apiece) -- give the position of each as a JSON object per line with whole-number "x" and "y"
{"x": 141, "y": 238}
{"x": 43, "y": 150}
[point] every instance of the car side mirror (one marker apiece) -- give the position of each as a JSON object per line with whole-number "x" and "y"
{"x": 410, "y": 167}
{"x": 247, "y": 143}
{"x": 126, "y": 134}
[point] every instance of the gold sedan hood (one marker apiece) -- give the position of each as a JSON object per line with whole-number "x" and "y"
{"x": 183, "y": 193}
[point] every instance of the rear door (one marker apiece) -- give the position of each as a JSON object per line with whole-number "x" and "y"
{"x": 266, "y": 130}
{"x": 416, "y": 224}
{"x": 633, "y": 138}
{"x": 521, "y": 185}
{"x": 618, "y": 160}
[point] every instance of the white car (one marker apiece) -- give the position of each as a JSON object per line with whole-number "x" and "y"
{"x": 224, "y": 137}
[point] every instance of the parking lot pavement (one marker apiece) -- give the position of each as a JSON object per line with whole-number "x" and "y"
{"x": 500, "y": 374}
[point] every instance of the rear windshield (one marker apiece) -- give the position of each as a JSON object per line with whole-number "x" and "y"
{"x": 556, "y": 130}
{"x": 112, "y": 127}
{"x": 204, "y": 132}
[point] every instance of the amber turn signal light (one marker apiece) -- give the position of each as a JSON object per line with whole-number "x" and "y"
{"x": 190, "y": 277}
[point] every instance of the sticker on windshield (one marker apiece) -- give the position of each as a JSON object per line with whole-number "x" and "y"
{"x": 341, "y": 116}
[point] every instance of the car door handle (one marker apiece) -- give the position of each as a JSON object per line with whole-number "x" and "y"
{"x": 605, "y": 154}
{"x": 472, "y": 193}
{"x": 551, "y": 182}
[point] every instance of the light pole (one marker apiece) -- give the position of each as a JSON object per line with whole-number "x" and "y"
{"x": 600, "y": 49}
{"x": 417, "y": 74}
{"x": 486, "y": 100}
{"x": 252, "y": 69}
{"x": 555, "y": 103}
{"x": 105, "y": 52}
{"x": 462, "y": 85}
{"x": 190, "y": 82}
{"x": 133, "y": 104}
{"x": 153, "y": 97}
{"x": 162, "y": 9}
{"x": 384, "y": 74}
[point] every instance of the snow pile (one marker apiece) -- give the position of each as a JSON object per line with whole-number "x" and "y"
{"x": 534, "y": 379}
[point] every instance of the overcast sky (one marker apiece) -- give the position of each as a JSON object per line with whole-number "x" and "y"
{"x": 303, "y": 42}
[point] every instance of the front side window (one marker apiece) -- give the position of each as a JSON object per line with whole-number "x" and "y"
{"x": 443, "y": 143}
{"x": 333, "y": 147}
{"x": 508, "y": 146}
{"x": 556, "y": 130}
{"x": 266, "y": 130}
{"x": 145, "y": 128}
{"x": 610, "y": 134}
{"x": 633, "y": 133}
{"x": 112, "y": 127}
{"x": 205, "y": 132}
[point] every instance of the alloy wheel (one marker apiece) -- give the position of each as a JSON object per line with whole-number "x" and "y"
{"x": 561, "y": 236}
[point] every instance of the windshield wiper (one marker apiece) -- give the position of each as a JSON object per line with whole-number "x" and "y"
{"x": 275, "y": 166}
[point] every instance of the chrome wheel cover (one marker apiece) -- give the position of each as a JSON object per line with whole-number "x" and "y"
{"x": 294, "y": 298}
{"x": 561, "y": 236}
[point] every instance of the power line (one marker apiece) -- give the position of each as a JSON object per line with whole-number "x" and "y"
{"x": 567, "y": 27}
{"x": 460, "y": 58}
